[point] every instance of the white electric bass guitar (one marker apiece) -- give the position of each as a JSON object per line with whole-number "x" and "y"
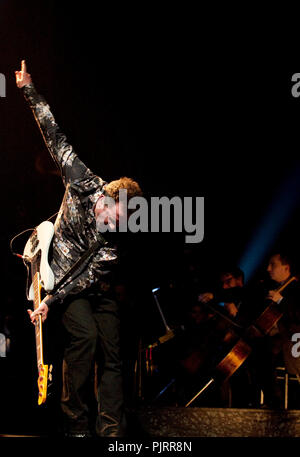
{"x": 42, "y": 280}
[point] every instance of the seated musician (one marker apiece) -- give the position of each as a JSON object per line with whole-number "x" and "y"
{"x": 230, "y": 294}
{"x": 197, "y": 350}
{"x": 280, "y": 269}
{"x": 234, "y": 296}
{"x": 209, "y": 337}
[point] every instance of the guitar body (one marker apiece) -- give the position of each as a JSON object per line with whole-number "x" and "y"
{"x": 39, "y": 242}
{"x": 42, "y": 279}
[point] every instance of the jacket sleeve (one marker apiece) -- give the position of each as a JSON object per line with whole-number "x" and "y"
{"x": 71, "y": 167}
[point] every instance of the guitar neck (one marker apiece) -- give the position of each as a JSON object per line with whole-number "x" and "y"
{"x": 38, "y": 323}
{"x": 42, "y": 278}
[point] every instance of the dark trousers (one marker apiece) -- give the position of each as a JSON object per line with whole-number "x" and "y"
{"x": 90, "y": 319}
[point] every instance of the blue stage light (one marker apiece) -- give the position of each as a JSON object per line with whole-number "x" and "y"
{"x": 276, "y": 217}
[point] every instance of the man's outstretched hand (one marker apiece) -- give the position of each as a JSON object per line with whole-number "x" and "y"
{"x": 22, "y": 77}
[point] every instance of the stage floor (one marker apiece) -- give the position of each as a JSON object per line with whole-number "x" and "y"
{"x": 219, "y": 422}
{"x": 164, "y": 422}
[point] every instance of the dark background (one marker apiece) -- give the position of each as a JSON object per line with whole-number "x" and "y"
{"x": 185, "y": 103}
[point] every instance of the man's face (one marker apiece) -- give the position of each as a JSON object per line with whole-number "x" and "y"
{"x": 277, "y": 270}
{"x": 228, "y": 281}
{"x": 108, "y": 213}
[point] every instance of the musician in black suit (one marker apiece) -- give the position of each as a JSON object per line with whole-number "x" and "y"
{"x": 281, "y": 268}
{"x": 273, "y": 348}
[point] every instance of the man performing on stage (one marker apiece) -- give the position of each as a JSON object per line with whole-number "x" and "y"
{"x": 90, "y": 310}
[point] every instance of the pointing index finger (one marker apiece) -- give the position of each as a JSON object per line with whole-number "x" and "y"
{"x": 23, "y": 66}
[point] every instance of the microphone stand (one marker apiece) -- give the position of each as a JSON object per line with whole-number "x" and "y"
{"x": 169, "y": 332}
{"x": 166, "y": 337}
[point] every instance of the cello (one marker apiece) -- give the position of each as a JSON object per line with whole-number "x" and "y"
{"x": 243, "y": 348}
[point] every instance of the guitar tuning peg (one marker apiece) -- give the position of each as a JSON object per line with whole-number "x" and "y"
{"x": 50, "y": 368}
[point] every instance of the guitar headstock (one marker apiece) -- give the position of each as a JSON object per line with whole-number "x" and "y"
{"x": 45, "y": 375}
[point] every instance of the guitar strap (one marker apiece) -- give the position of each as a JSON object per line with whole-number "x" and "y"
{"x": 100, "y": 241}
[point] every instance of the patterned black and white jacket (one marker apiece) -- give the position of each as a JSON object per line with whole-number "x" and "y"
{"x": 75, "y": 226}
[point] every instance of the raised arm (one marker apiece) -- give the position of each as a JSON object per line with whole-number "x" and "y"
{"x": 71, "y": 167}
